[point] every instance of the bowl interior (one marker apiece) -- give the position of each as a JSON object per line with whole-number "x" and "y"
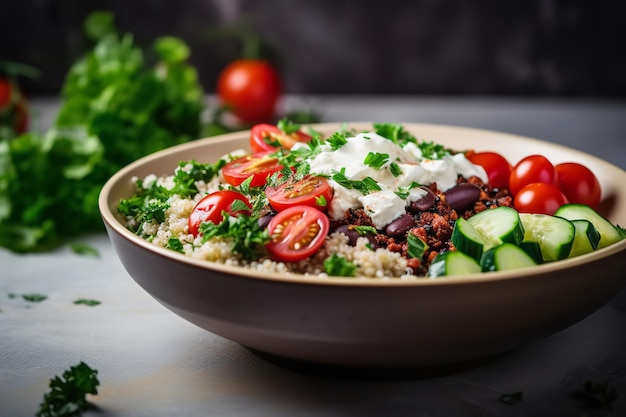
{"x": 513, "y": 147}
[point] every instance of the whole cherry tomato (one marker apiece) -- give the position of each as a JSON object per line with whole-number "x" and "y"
{"x": 297, "y": 233}
{"x": 211, "y": 206}
{"x": 539, "y": 198}
{"x": 497, "y": 167}
{"x": 266, "y": 137}
{"x": 533, "y": 168}
{"x": 578, "y": 183}
{"x": 251, "y": 88}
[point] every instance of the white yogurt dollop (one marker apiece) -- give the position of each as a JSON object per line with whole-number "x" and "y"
{"x": 402, "y": 169}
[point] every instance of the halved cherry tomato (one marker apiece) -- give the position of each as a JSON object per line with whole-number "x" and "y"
{"x": 297, "y": 233}
{"x": 497, "y": 167}
{"x": 266, "y": 137}
{"x": 259, "y": 165}
{"x": 251, "y": 88}
{"x": 539, "y": 197}
{"x": 311, "y": 190}
{"x": 211, "y": 207}
{"x": 578, "y": 183}
{"x": 533, "y": 168}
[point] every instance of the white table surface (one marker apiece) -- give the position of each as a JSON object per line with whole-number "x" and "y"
{"x": 152, "y": 363}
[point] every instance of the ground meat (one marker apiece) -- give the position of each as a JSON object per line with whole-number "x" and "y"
{"x": 433, "y": 226}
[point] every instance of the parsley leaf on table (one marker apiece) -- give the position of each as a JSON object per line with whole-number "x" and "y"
{"x": 118, "y": 104}
{"x": 67, "y": 396}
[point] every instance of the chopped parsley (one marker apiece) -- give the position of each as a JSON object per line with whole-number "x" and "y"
{"x": 247, "y": 237}
{"x": 417, "y": 247}
{"x": 67, "y": 396}
{"x": 84, "y": 249}
{"x": 376, "y": 160}
{"x": 175, "y": 244}
{"x": 364, "y": 230}
{"x": 431, "y": 150}
{"x": 395, "y": 133}
{"x": 336, "y": 265}
{"x": 88, "y": 302}
{"x": 287, "y": 126}
{"x": 364, "y": 186}
{"x": 337, "y": 140}
{"x": 395, "y": 169}
{"x": 34, "y": 298}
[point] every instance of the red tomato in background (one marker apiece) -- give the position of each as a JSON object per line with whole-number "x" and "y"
{"x": 308, "y": 191}
{"x": 251, "y": 88}
{"x": 266, "y": 137}
{"x": 497, "y": 167}
{"x": 539, "y": 197}
{"x": 210, "y": 208}
{"x": 533, "y": 168}
{"x": 297, "y": 233}
{"x": 579, "y": 184}
{"x": 6, "y": 92}
{"x": 258, "y": 165}
{"x": 13, "y": 107}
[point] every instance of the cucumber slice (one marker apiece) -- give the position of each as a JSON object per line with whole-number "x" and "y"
{"x": 532, "y": 249}
{"x": 586, "y": 238}
{"x": 453, "y": 263}
{"x": 504, "y": 257}
{"x": 609, "y": 234}
{"x": 498, "y": 226}
{"x": 466, "y": 239}
{"x": 555, "y": 235}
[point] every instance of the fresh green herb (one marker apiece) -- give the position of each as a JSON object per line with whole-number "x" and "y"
{"x": 84, "y": 249}
{"x": 337, "y": 140}
{"x": 404, "y": 192}
{"x": 417, "y": 247}
{"x": 338, "y": 266}
{"x": 87, "y": 301}
{"x": 68, "y": 393}
{"x": 117, "y": 107}
{"x": 321, "y": 201}
{"x": 395, "y": 133}
{"x": 511, "y": 398}
{"x": 599, "y": 393}
{"x": 431, "y": 150}
{"x": 364, "y": 186}
{"x": 34, "y": 298}
{"x": 247, "y": 237}
{"x": 395, "y": 169}
{"x": 175, "y": 244}
{"x": 190, "y": 172}
{"x": 364, "y": 230}
{"x": 376, "y": 160}
{"x": 287, "y": 126}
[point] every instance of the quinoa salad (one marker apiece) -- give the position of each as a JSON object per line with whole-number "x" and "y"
{"x": 371, "y": 204}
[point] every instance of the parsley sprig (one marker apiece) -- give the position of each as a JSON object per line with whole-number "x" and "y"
{"x": 247, "y": 237}
{"x": 67, "y": 396}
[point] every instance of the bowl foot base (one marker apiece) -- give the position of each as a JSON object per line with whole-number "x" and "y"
{"x": 374, "y": 373}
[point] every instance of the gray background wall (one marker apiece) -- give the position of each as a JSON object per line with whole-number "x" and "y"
{"x": 551, "y": 47}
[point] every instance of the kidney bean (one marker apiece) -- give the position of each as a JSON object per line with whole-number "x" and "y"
{"x": 425, "y": 202}
{"x": 265, "y": 220}
{"x": 353, "y": 235}
{"x": 462, "y": 197}
{"x": 400, "y": 226}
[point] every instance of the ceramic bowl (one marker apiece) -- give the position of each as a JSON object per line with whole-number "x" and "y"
{"x": 371, "y": 323}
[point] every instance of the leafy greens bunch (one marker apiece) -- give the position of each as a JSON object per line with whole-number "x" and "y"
{"x": 118, "y": 104}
